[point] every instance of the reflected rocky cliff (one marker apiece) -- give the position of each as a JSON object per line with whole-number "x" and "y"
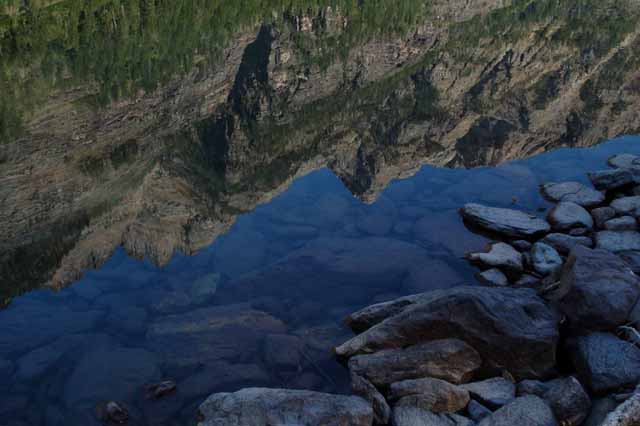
{"x": 154, "y": 130}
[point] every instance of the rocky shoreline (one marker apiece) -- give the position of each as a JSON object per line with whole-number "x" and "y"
{"x": 549, "y": 338}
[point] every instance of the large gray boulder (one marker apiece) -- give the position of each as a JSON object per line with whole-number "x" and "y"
{"x": 566, "y": 397}
{"x": 597, "y": 289}
{"x": 364, "y": 388}
{"x": 604, "y": 362}
{"x": 431, "y": 394}
{"x": 448, "y": 359}
{"x": 525, "y": 411}
{"x": 574, "y": 192}
{"x": 507, "y": 222}
{"x": 602, "y": 214}
{"x": 567, "y": 215}
{"x": 624, "y": 223}
{"x": 407, "y": 415}
{"x": 627, "y": 414}
{"x": 618, "y": 241}
{"x": 512, "y": 329}
{"x": 281, "y": 407}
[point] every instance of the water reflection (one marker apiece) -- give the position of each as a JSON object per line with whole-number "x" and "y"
{"x": 260, "y": 306}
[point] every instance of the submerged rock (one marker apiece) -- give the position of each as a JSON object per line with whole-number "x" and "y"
{"x": 113, "y": 412}
{"x": 162, "y": 389}
{"x": 524, "y": 411}
{"x": 450, "y": 359}
{"x": 574, "y": 192}
{"x": 625, "y": 161}
{"x": 499, "y": 255}
{"x": 566, "y": 216}
{"x": 266, "y": 407}
{"x": 597, "y": 289}
{"x": 512, "y": 329}
{"x": 604, "y": 362}
{"x": 545, "y": 259}
{"x": 618, "y": 241}
{"x": 507, "y": 222}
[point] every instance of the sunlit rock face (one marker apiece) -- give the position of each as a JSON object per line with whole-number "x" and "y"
{"x": 159, "y": 151}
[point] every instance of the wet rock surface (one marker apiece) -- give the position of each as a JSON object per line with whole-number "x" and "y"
{"x": 574, "y": 192}
{"x": 567, "y": 215}
{"x": 507, "y": 222}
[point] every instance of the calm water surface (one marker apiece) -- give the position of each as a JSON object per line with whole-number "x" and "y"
{"x": 263, "y": 305}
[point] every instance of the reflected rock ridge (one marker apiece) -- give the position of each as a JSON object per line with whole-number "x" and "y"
{"x": 206, "y": 110}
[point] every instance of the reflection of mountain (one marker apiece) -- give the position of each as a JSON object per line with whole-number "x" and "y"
{"x": 169, "y": 169}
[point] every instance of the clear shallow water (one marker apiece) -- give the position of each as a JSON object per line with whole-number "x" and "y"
{"x": 263, "y": 305}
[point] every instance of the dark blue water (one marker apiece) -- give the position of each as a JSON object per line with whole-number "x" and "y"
{"x": 263, "y": 305}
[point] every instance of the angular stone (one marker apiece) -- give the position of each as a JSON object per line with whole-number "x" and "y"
{"x": 433, "y": 394}
{"x": 439, "y": 400}
{"x": 597, "y": 290}
{"x": 618, "y": 241}
{"x": 574, "y": 192}
{"x": 264, "y": 407}
{"x": 507, "y": 222}
{"x": 611, "y": 179}
{"x": 624, "y": 223}
{"x": 566, "y": 216}
{"x": 499, "y": 255}
{"x": 564, "y": 243}
{"x": 406, "y": 415}
{"x": 626, "y": 205}
{"x": 512, "y": 329}
{"x": 605, "y": 363}
{"x": 493, "y": 277}
{"x": 365, "y": 389}
{"x": 625, "y": 161}
{"x": 493, "y": 393}
{"x": 602, "y": 214}
{"x": 450, "y": 359}
{"x": 524, "y": 411}
{"x": 568, "y": 401}
{"x": 477, "y": 411}
{"x": 545, "y": 259}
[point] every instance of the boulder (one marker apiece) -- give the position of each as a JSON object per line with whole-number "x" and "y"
{"x": 450, "y": 359}
{"x": 407, "y": 415}
{"x": 493, "y": 277}
{"x": 365, "y": 389}
{"x": 604, "y": 362}
{"x": 524, "y": 411}
{"x": 600, "y": 409}
{"x": 371, "y": 315}
{"x": 602, "y": 214}
{"x": 430, "y": 394}
{"x": 564, "y": 243}
{"x": 611, "y": 179}
{"x": 507, "y": 222}
{"x": 522, "y": 245}
{"x": 512, "y": 329}
{"x": 618, "y": 241}
{"x": 501, "y": 256}
{"x": 493, "y": 393}
{"x": 627, "y": 414}
{"x": 566, "y": 216}
{"x": 574, "y": 192}
{"x": 597, "y": 290}
{"x": 566, "y": 397}
{"x": 625, "y": 161}
{"x": 626, "y": 205}
{"x": 266, "y": 407}
{"x": 624, "y": 223}
{"x": 545, "y": 259}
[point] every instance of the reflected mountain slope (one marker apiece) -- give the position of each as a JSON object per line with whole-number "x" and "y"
{"x": 153, "y": 128}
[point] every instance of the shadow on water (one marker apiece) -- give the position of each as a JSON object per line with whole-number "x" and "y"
{"x": 263, "y": 305}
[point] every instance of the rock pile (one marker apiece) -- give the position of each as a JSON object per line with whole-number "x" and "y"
{"x": 546, "y": 338}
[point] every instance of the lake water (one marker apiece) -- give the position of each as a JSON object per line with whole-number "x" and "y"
{"x": 264, "y": 304}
